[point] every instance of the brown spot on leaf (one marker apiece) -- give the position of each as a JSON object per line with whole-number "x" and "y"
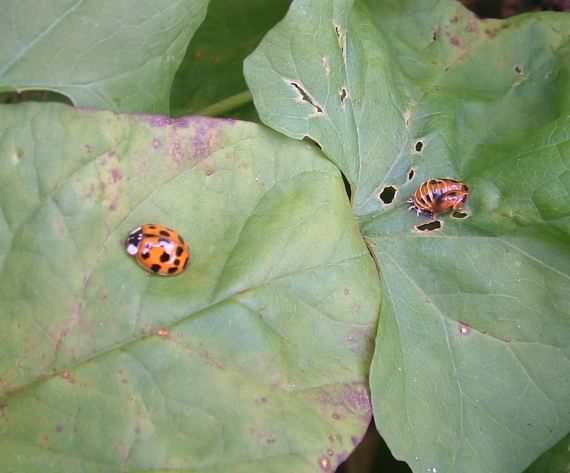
{"x": 116, "y": 175}
{"x": 66, "y": 375}
{"x": 472, "y": 25}
{"x": 455, "y": 41}
{"x": 205, "y": 136}
{"x": 325, "y": 463}
{"x": 162, "y": 332}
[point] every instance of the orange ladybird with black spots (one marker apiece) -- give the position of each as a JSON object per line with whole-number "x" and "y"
{"x": 158, "y": 249}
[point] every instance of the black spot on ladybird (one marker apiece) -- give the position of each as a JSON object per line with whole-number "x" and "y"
{"x": 152, "y": 226}
{"x": 164, "y": 257}
{"x": 176, "y": 262}
{"x": 164, "y": 233}
{"x": 145, "y": 255}
{"x": 172, "y": 270}
{"x": 155, "y": 268}
{"x": 179, "y": 251}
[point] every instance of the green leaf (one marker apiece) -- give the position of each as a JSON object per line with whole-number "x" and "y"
{"x": 210, "y": 79}
{"x": 120, "y": 56}
{"x": 556, "y": 460}
{"x": 471, "y": 371}
{"x": 255, "y": 358}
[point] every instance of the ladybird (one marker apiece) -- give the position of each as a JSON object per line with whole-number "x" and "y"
{"x": 158, "y": 249}
{"x": 436, "y": 196}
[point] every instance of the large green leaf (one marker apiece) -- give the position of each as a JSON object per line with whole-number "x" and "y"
{"x": 471, "y": 371}
{"x": 210, "y": 79}
{"x": 255, "y": 358}
{"x": 100, "y": 53}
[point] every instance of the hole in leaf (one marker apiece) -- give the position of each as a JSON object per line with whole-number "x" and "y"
{"x": 429, "y": 227}
{"x": 343, "y": 94}
{"x": 387, "y": 194}
{"x": 518, "y": 69}
{"x": 305, "y": 96}
{"x": 419, "y": 146}
{"x": 338, "y": 31}
{"x": 43, "y": 96}
{"x": 411, "y": 174}
{"x": 434, "y": 35}
{"x": 341, "y": 38}
{"x": 460, "y": 214}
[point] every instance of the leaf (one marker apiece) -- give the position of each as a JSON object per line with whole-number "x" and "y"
{"x": 102, "y": 54}
{"x": 555, "y": 460}
{"x": 255, "y": 357}
{"x": 212, "y": 68}
{"x": 471, "y": 371}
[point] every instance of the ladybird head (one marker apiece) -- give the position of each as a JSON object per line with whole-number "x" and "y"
{"x": 133, "y": 240}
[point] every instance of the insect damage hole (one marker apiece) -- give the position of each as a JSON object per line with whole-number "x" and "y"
{"x": 304, "y": 96}
{"x": 419, "y": 146}
{"x": 460, "y": 214}
{"x": 429, "y": 227}
{"x": 388, "y": 194}
{"x": 343, "y": 92}
{"x": 518, "y": 70}
{"x": 411, "y": 174}
{"x": 341, "y": 38}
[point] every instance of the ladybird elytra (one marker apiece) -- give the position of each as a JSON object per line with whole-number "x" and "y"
{"x": 437, "y": 196}
{"x": 158, "y": 249}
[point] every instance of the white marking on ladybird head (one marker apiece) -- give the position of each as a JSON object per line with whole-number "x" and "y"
{"x": 132, "y": 249}
{"x": 138, "y": 229}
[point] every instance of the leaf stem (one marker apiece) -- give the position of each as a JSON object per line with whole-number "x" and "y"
{"x": 226, "y": 105}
